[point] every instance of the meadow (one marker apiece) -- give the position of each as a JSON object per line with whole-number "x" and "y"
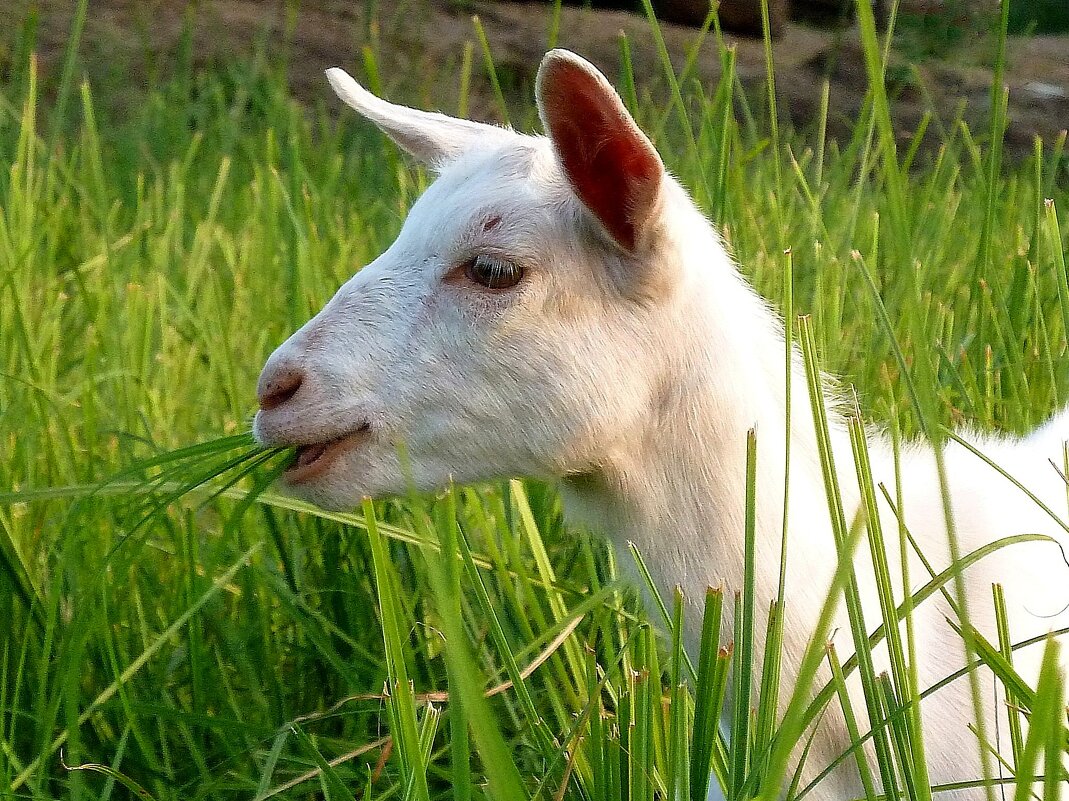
{"x": 172, "y": 628}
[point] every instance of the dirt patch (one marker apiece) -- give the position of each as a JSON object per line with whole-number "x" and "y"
{"x": 419, "y": 44}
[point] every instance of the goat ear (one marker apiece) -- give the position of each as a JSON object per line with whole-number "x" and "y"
{"x": 609, "y": 162}
{"x": 432, "y": 138}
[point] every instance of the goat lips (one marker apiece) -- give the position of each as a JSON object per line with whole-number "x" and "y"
{"x": 308, "y": 454}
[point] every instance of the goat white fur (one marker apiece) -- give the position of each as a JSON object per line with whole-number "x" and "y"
{"x": 629, "y": 361}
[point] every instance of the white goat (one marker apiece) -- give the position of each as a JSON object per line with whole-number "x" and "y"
{"x": 557, "y": 307}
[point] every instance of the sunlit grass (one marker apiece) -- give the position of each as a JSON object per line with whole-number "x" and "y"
{"x": 175, "y": 627}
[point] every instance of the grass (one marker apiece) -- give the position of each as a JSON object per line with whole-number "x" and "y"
{"x": 174, "y": 630}
{"x": 1041, "y": 16}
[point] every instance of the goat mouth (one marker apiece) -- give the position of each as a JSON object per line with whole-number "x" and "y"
{"x": 313, "y": 459}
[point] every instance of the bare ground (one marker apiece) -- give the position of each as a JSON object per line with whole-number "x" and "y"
{"x": 418, "y": 45}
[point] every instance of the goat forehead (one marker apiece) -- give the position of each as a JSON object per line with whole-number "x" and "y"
{"x": 513, "y": 180}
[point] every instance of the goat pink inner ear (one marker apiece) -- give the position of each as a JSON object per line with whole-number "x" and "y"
{"x": 609, "y": 162}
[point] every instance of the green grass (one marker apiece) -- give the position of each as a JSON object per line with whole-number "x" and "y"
{"x": 173, "y": 630}
{"x": 1041, "y": 16}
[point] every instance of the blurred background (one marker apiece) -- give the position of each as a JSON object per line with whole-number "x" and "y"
{"x": 941, "y": 59}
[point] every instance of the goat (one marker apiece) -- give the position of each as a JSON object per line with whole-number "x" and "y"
{"x": 558, "y": 308}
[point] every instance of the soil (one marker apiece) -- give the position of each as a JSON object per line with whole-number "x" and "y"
{"x": 416, "y": 41}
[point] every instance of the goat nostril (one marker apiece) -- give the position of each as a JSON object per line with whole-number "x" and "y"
{"x": 280, "y": 389}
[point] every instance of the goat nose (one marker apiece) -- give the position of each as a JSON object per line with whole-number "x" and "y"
{"x": 279, "y": 388}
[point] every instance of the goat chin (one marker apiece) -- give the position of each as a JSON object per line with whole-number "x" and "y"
{"x": 620, "y": 347}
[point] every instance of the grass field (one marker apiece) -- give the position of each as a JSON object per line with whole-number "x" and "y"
{"x": 179, "y": 633}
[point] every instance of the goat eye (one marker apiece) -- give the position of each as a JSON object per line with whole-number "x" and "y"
{"x": 493, "y": 273}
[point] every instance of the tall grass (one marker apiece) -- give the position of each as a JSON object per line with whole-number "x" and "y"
{"x": 173, "y": 630}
